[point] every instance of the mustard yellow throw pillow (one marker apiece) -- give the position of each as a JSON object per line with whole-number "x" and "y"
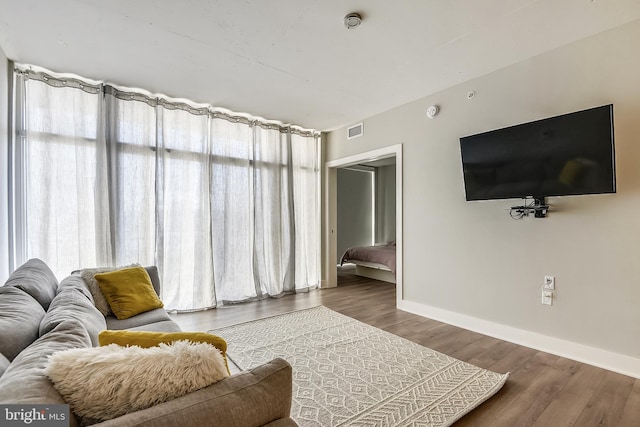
{"x": 147, "y": 339}
{"x": 128, "y": 291}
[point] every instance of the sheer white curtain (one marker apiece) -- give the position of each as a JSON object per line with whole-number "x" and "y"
{"x": 161, "y": 196}
{"x": 231, "y": 215}
{"x": 225, "y": 204}
{"x": 274, "y": 239}
{"x": 306, "y": 212}
{"x": 184, "y": 246}
{"x": 130, "y": 150}
{"x": 59, "y": 194}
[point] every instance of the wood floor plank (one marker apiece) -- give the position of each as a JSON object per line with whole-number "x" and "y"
{"x": 536, "y": 396}
{"x": 542, "y": 390}
{"x": 530, "y": 390}
{"x": 503, "y": 357}
{"x": 453, "y": 340}
{"x": 608, "y": 401}
{"x": 631, "y": 413}
{"x": 474, "y": 347}
{"x": 567, "y": 408}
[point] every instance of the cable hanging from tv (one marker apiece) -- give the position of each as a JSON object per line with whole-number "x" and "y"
{"x": 535, "y": 206}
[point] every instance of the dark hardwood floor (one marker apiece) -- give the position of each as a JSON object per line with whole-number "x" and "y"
{"x": 543, "y": 390}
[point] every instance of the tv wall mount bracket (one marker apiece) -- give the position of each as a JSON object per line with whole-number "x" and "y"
{"x": 535, "y": 206}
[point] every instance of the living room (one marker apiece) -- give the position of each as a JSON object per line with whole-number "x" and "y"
{"x": 469, "y": 264}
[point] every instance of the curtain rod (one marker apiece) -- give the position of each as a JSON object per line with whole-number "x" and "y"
{"x": 54, "y": 79}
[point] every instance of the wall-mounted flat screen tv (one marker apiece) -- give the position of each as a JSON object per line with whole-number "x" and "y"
{"x": 570, "y": 154}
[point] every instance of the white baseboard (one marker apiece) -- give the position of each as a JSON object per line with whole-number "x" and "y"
{"x": 616, "y": 362}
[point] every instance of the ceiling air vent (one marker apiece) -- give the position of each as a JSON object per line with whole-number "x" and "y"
{"x": 355, "y": 131}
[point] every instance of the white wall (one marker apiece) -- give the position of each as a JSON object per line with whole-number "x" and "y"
{"x": 469, "y": 263}
{"x": 4, "y": 158}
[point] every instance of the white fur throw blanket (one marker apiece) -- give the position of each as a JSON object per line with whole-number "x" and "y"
{"x": 101, "y": 383}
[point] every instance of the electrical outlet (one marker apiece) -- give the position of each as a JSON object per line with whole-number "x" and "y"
{"x": 547, "y": 297}
{"x": 549, "y": 283}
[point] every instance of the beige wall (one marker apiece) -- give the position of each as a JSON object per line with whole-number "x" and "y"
{"x": 4, "y": 156}
{"x": 385, "y": 203}
{"x": 471, "y": 260}
{"x": 354, "y": 216}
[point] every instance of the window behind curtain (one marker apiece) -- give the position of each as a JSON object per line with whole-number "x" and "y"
{"x": 60, "y": 151}
{"x": 226, "y": 206}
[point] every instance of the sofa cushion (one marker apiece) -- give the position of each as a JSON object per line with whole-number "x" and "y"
{"x": 146, "y": 339}
{"x": 251, "y": 398}
{"x": 4, "y": 364}
{"x": 128, "y": 291}
{"x": 142, "y": 319}
{"x": 88, "y": 275}
{"x": 155, "y": 277}
{"x": 20, "y": 317}
{"x": 132, "y": 378}
{"x": 164, "y": 326}
{"x": 36, "y": 279}
{"x": 24, "y": 380}
{"x": 76, "y": 283}
{"x": 72, "y": 303}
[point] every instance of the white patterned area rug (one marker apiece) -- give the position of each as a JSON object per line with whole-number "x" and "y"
{"x": 347, "y": 373}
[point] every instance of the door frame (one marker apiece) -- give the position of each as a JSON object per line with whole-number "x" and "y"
{"x": 331, "y": 199}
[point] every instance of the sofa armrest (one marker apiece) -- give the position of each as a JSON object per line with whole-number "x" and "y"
{"x": 250, "y": 398}
{"x": 282, "y": 422}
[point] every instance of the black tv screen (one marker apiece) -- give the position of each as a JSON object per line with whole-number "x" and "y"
{"x": 570, "y": 154}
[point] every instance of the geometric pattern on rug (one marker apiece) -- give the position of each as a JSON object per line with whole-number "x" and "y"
{"x": 348, "y": 373}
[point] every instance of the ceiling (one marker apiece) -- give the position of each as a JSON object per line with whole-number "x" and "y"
{"x": 293, "y": 60}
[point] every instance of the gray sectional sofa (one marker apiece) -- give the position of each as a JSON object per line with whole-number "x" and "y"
{"x": 39, "y": 316}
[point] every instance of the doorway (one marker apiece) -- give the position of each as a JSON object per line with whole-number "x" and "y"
{"x": 330, "y": 226}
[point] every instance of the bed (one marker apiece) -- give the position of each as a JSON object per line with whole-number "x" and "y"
{"x": 376, "y": 262}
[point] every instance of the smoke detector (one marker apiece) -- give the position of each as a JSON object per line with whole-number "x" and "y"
{"x": 352, "y": 20}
